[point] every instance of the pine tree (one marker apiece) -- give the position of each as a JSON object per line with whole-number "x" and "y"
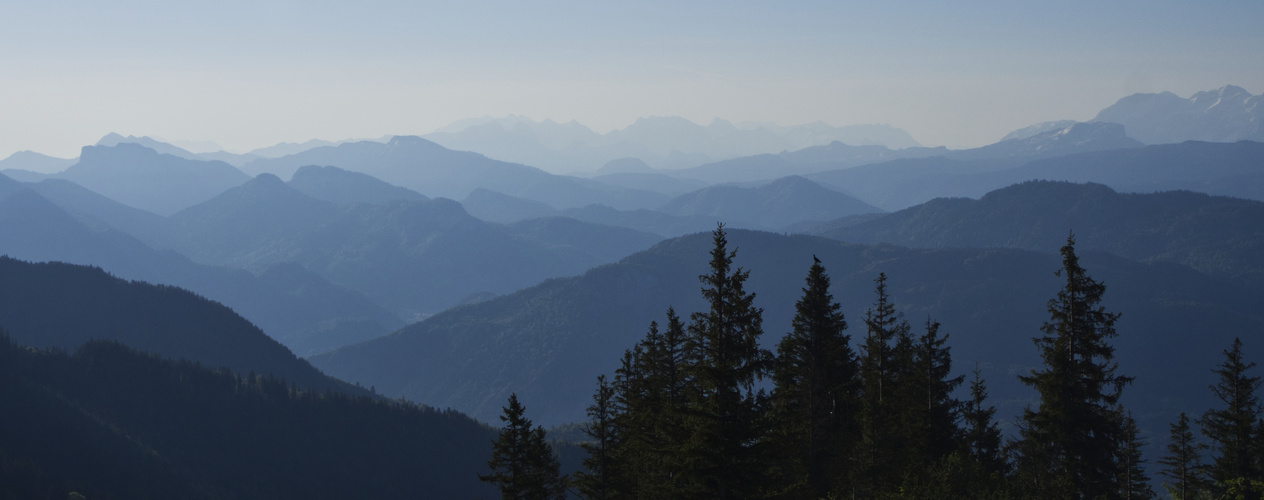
{"x": 725, "y": 366}
{"x": 602, "y": 477}
{"x": 1134, "y": 484}
{"x": 887, "y": 344}
{"x": 523, "y": 465}
{"x": 651, "y": 391}
{"x": 982, "y": 435}
{"x": 1231, "y": 429}
{"x": 934, "y": 413}
{"x": 1069, "y": 445}
{"x": 816, "y": 394}
{"x": 1183, "y": 463}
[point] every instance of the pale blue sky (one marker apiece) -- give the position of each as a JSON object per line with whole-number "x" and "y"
{"x": 251, "y": 74}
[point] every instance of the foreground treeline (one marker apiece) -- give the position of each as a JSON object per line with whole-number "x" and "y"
{"x": 108, "y": 422}
{"x": 698, "y": 410}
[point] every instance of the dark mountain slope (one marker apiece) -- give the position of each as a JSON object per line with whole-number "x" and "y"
{"x": 1213, "y": 234}
{"x": 109, "y": 422}
{"x": 55, "y": 305}
{"x": 549, "y": 342}
{"x": 775, "y": 205}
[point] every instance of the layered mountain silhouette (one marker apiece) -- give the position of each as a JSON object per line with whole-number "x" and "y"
{"x": 291, "y": 304}
{"x": 1227, "y": 169}
{"x": 787, "y": 202}
{"x": 342, "y": 187}
{"x": 549, "y": 342}
{"x": 415, "y": 257}
{"x": 1072, "y": 139}
{"x": 435, "y": 171}
{"x": 661, "y": 142}
{"x": 30, "y": 162}
{"x": 140, "y": 177}
{"x": 776, "y": 205}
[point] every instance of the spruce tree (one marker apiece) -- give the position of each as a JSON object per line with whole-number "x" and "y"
{"x": 1183, "y": 463}
{"x": 1232, "y": 428}
{"x": 523, "y": 465}
{"x": 1134, "y": 483}
{"x": 725, "y": 418}
{"x": 651, "y": 391}
{"x": 815, "y": 396}
{"x": 1070, "y": 444}
{"x": 982, "y": 435}
{"x": 933, "y": 412}
{"x": 603, "y": 474}
{"x": 886, "y": 344}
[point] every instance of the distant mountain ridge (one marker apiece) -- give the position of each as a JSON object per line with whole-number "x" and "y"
{"x": 413, "y": 256}
{"x": 439, "y": 172}
{"x": 31, "y": 161}
{"x": 342, "y": 186}
{"x": 1072, "y": 139}
{"x": 1227, "y": 114}
{"x": 773, "y": 206}
{"x": 662, "y": 142}
{"x": 291, "y": 304}
{"x": 1223, "y": 169}
{"x": 141, "y": 177}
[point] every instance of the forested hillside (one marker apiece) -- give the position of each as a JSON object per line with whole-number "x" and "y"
{"x": 62, "y": 306}
{"x": 109, "y": 422}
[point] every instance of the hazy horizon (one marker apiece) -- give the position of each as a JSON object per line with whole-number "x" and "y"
{"x": 246, "y": 75}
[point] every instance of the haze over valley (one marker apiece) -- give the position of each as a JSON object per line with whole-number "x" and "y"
{"x": 631, "y": 251}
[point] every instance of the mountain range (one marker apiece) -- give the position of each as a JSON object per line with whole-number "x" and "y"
{"x": 435, "y": 171}
{"x": 415, "y": 257}
{"x": 1227, "y": 114}
{"x": 1227, "y": 169}
{"x": 140, "y": 177}
{"x": 659, "y": 142}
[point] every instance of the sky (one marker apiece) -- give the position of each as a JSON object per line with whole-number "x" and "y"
{"x": 252, "y": 74}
